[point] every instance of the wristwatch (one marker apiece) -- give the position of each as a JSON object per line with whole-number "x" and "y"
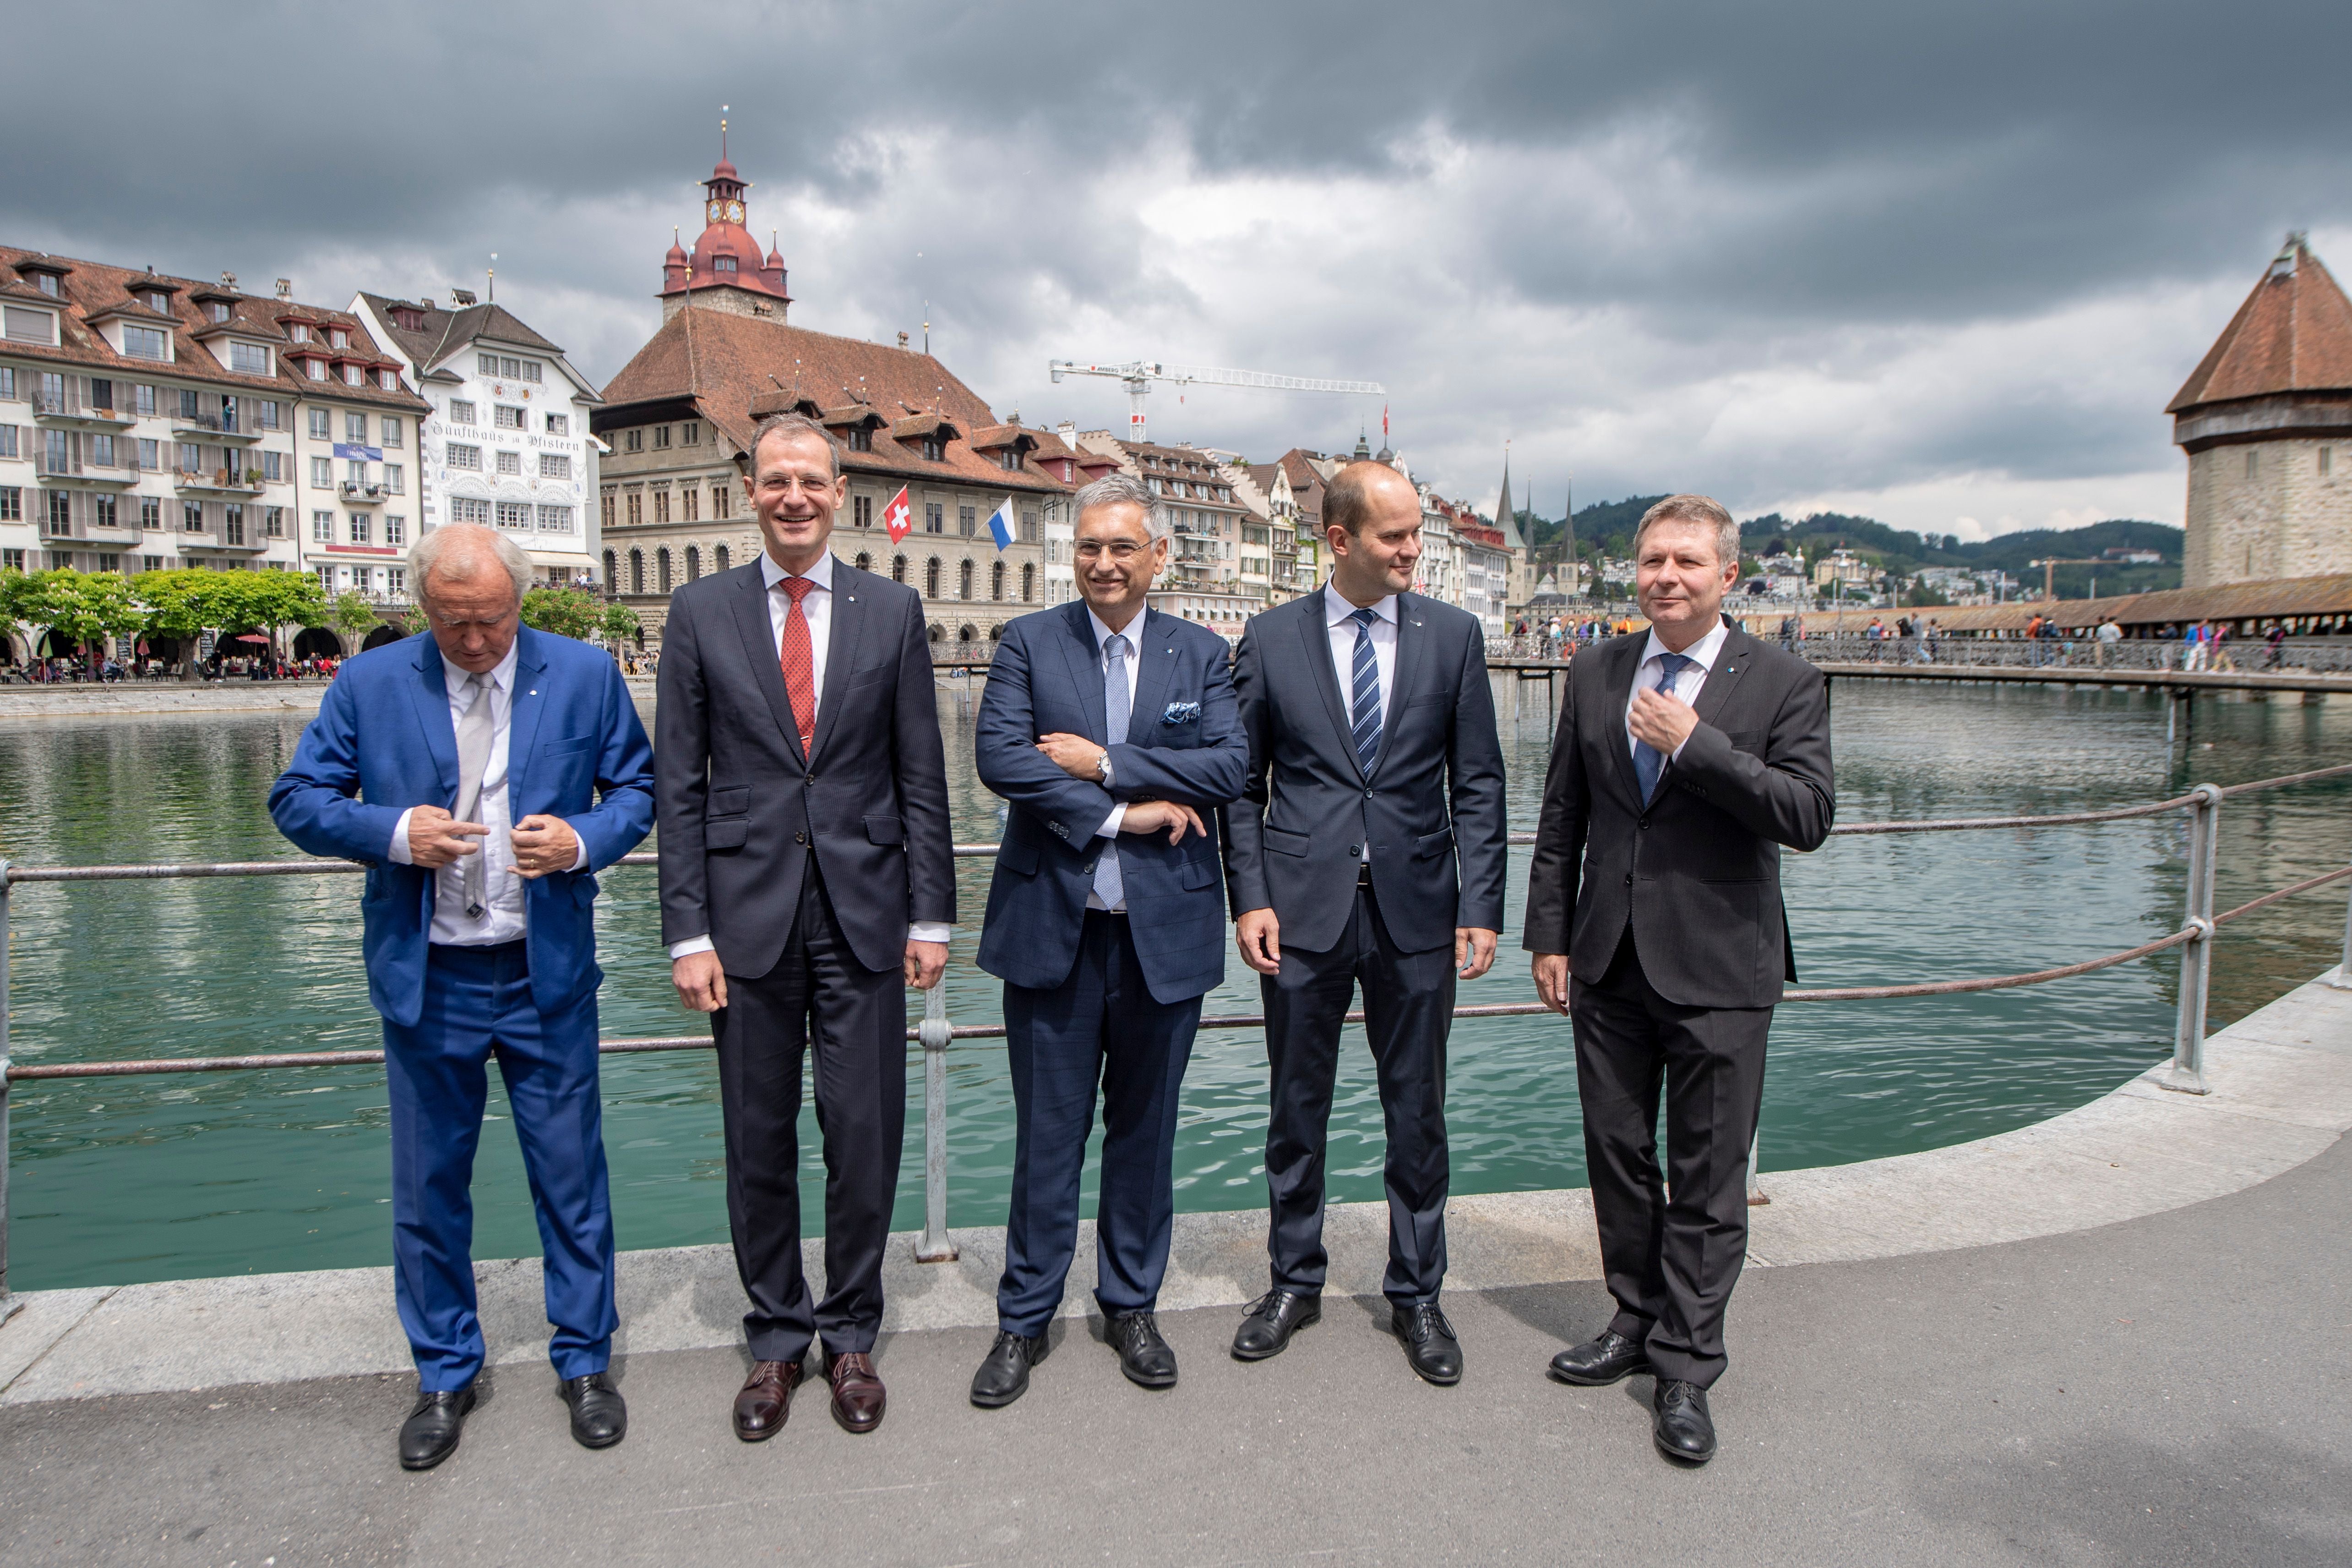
{"x": 1102, "y": 769}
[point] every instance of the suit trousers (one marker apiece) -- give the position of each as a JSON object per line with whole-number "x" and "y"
{"x": 1670, "y": 1263}
{"x": 1101, "y": 1024}
{"x": 477, "y": 1004}
{"x": 857, "y": 1018}
{"x": 1407, "y": 1013}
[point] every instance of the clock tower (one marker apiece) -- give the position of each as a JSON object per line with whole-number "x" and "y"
{"x": 725, "y": 271}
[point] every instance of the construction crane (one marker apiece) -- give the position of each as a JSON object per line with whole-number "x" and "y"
{"x": 1139, "y": 375}
{"x": 2049, "y": 571}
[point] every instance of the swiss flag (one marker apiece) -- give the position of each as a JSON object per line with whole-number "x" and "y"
{"x": 899, "y": 516}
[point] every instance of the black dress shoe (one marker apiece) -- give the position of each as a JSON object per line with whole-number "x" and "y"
{"x": 599, "y": 1417}
{"x": 430, "y": 1433}
{"x": 1598, "y": 1363}
{"x": 1143, "y": 1355}
{"x": 1681, "y": 1427}
{"x": 1429, "y": 1343}
{"x": 1272, "y": 1319}
{"x": 1004, "y": 1374}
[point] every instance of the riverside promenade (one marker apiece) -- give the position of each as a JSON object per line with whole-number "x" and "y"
{"x": 2121, "y": 1335}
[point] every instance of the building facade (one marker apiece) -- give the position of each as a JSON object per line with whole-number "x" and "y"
{"x": 2266, "y": 422}
{"x": 677, "y": 424}
{"x": 506, "y": 441}
{"x": 357, "y": 449}
{"x": 1204, "y": 579}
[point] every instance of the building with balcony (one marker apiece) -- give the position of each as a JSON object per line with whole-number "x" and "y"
{"x": 146, "y": 422}
{"x": 678, "y": 423}
{"x": 506, "y": 440}
{"x": 356, "y": 447}
{"x": 1203, "y": 581}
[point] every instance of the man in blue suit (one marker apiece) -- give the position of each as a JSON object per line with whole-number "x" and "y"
{"x": 1111, "y": 730}
{"x": 462, "y": 768}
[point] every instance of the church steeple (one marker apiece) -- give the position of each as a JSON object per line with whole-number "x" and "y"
{"x": 726, "y": 259}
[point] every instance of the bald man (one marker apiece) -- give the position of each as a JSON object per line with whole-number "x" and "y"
{"x": 1366, "y": 850}
{"x": 463, "y": 767}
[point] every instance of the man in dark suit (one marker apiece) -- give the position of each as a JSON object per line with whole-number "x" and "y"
{"x": 1110, "y": 731}
{"x": 463, "y": 769}
{"x": 806, "y": 880}
{"x": 1374, "y": 772}
{"x": 1684, "y": 759}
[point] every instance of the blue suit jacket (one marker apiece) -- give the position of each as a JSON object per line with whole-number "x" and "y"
{"x": 1184, "y": 743}
{"x": 383, "y": 741}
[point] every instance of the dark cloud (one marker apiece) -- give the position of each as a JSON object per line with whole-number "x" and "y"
{"x": 1605, "y": 223}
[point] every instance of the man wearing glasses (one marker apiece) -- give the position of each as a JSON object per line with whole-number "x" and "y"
{"x": 1111, "y": 730}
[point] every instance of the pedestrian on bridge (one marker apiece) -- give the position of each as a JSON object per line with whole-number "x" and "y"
{"x": 1682, "y": 764}
{"x": 463, "y": 767}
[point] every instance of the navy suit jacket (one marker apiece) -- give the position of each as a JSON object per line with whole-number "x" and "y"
{"x": 1433, "y": 800}
{"x": 1184, "y": 743}
{"x": 384, "y": 741}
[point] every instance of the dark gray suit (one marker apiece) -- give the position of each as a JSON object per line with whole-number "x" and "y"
{"x": 805, "y": 871}
{"x": 1670, "y": 913}
{"x": 1430, "y": 812}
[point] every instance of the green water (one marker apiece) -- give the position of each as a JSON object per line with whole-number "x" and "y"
{"x": 164, "y": 1177}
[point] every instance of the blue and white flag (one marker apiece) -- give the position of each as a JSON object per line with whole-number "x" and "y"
{"x": 1000, "y": 523}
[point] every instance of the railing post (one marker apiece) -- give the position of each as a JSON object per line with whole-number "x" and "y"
{"x": 2341, "y": 980}
{"x": 1755, "y": 1199}
{"x": 2188, "y": 1074}
{"x": 935, "y": 1033}
{"x": 8, "y": 1303}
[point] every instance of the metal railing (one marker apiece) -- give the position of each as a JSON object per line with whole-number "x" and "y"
{"x": 2074, "y": 650}
{"x": 936, "y": 1033}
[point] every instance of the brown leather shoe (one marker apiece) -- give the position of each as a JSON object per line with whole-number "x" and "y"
{"x": 857, "y": 1394}
{"x": 766, "y": 1399}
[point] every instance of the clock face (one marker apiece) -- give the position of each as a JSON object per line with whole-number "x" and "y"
{"x": 716, "y": 209}
{"x": 734, "y": 212}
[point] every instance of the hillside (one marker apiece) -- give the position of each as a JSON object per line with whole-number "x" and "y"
{"x": 1607, "y": 527}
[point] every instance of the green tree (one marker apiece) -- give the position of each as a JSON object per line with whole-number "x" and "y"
{"x": 183, "y": 605}
{"x": 352, "y": 616}
{"x": 86, "y": 608}
{"x": 566, "y": 612}
{"x": 619, "y": 623}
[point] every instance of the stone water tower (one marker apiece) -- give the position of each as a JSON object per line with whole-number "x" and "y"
{"x": 2267, "y": 420}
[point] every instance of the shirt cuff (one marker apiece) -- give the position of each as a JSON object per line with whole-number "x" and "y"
{"x": 579, "y": 861}
{"x": 1111, "y": 824}
{"x": 679, "y": 950}
{"x": 929, "y": 931}
{"x": 398, "y": 849}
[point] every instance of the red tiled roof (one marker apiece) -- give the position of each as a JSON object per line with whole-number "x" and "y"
{"x": 735, "y": 369}
{"x": 2293, "y": 333}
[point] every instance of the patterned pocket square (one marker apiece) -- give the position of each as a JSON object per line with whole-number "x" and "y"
{"x": 1180, "y": 714}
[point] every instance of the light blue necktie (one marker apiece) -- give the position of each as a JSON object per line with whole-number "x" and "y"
{"x": 1648, "y": 761}
{"x": 1108, "y": 886}
{"x": 1367, "y": 682}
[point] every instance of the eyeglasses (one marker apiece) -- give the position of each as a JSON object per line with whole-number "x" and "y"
{"x": 1119, "y": 550}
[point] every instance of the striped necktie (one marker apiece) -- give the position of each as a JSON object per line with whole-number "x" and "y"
{"x": 1648, "y": 761}
{"x": 1367, "y": 682}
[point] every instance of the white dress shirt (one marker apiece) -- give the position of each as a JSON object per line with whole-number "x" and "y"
{"x": 1687, "y": 680}
{"x": 816, "y": 608}
{"x": 1134, "y": 636}
{"x": 501, "y": 919}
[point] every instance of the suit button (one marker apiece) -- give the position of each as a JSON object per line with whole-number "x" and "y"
{"x": 811, "y": 779}
{"x": 800, "y": 838}
{"x": 1367, "y": 795}
{"x": 1354, "y": 850}
{"x": 1644, "y": 825}
{"x": 1629, "y": 879}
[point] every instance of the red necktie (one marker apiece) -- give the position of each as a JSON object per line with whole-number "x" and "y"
{"x": 799, "y": 664}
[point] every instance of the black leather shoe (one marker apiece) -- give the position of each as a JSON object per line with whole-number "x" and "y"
{"x": 1681, "y": 1427}
{"x": 1598, "y": 1363}
{"x": 1003, "y": 1375}
{"x": 430, "y": 1433}
{"x": 1272, "y": 1319}
{"x": 1429, "y": 1343}
{"x": 1143, "y": 1355}
{"x": 599, "y": 1416}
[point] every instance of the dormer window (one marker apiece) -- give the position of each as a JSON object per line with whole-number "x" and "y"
{"x": 1009, "y": 460}
{"x": 935, "y": 450}
{"x": 299, "y": 332}
{"x": 159, "y": 303}
{"x": 354, "y": 376}
{"x": 317, "y": 369}
{"x": 338, "y": 338}
{"x": 861, "y": 439}
{"x": 409, "y": 321}
{"x": 47, "y": 282}
{"x": 217, "y": 310}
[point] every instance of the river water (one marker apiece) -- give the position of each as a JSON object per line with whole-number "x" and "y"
{"x": 170, "y": 1177}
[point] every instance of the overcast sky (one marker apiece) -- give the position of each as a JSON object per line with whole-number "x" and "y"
{"x": 1944, "y": 264}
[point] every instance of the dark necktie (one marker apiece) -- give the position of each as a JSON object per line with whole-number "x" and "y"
{"x": 1367, "y": 682}
{"x": 1648, "y": 761}
{"x": 800, "y": 665}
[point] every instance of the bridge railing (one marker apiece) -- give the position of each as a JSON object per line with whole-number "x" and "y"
{"x": 936, "y": 1033}
{"x": 2075, "y": 650}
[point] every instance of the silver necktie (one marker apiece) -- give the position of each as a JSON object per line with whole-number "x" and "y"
{"x": 1109, "y": 887}
{"x": 473, "y": 760}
